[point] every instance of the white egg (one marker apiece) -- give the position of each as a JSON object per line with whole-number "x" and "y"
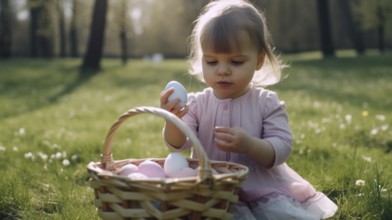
{"x": 179, "y": 92}
{"x": 184, "y": 172}
{"x": 174, "y": 161}
{"x": 151, "y": 169}
{"x": 128, "y": 169}
{"x": 137, "y": 176}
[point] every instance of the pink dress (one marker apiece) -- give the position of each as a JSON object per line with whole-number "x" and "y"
{"x": 260, "y": 113}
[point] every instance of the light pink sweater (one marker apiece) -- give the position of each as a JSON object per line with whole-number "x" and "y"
{"x": 263, "y": 115}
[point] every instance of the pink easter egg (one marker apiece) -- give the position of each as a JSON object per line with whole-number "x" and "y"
{"x": 128, "y": 169}
{"x": 137, "y": 176}
{"x": 184, "y": 172}
{"x": 151, "y": 169}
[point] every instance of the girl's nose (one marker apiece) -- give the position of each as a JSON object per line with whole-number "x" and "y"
{"x": 223, "y": 70}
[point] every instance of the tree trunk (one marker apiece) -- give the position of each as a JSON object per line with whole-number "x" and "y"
{"x": 93, "y": 56}
{"x": 41, "y": 29}
{"x": 123, "y": 32}
{"x": 34, "y": 14}
{"x": 62, "y": 39}
{"x": 352, "y": 26}
{"x": 73, "y": 30}
{"x": 380, "y": 28}
{"x": 5, "y": 29}
{"x": 124, "y": 49}
{"x": 327, "y": 46}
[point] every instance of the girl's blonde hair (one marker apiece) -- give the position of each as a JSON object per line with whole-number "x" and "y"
{"x": 220, "y": 24}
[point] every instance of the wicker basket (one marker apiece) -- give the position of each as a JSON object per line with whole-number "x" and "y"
{"x": 205, "y": 196}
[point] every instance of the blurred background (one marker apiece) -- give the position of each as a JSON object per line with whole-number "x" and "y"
{"x": 142, "y": 28}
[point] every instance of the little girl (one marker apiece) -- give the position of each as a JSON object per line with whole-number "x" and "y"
{"x": 237, "y": 120}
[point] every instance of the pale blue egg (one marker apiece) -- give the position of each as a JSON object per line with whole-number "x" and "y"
{"x": 179, "y": 92}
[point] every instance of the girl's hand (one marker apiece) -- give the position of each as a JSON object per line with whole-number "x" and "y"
{"x": 235, "y": 140}
{"x": 173, "y": 106}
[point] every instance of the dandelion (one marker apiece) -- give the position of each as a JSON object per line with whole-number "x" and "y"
{"x": 365, "y": 113}
{"x": 66, "y": 162}
{"x": 2, "y": 148}
{"x": 74, "y": 157}
{"x": 360, "y": 182}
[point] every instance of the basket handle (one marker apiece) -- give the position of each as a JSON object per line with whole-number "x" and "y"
{"x": 107, "y": 158}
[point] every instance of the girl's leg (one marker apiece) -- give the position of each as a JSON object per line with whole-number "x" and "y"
{"x": 242, "y": 211}
{"x": 280, "y": 207}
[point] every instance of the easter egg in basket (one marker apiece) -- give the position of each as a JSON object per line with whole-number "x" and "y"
{"x": 151, "y": 169}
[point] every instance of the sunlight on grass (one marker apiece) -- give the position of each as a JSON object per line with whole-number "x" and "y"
{"x": 53, "y": 123}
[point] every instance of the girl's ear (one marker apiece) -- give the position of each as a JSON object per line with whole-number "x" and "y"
{"x": 260, "y": 60}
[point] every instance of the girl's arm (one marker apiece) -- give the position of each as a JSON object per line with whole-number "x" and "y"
{"x": 171, "y": 133}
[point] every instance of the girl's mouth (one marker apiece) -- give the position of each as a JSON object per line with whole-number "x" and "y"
{"x": 224, "y": 83}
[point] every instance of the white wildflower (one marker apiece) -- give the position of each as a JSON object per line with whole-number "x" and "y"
{"x": 22, "y": 131}
{"x": 43, "y": 156}
{"x": 360, "y": 182}
{"x": 74, "y": 157}
{"x": 15, "y": 148}
{"x": 384, "y": 127}
{"x": 59, "y": 155}
{"x": 2, "y": 148}
{"x": 66, "y": 162}
{"x": 374, "y": 131}
{"x": 366, "y": 158}
{"x": 29, "y": 155}
{"x": 348, "y": 118}
{"x": 380, "y": 117}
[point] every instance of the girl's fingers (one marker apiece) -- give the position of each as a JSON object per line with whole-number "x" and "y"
{"x": 222, "y": 136}
{"x": 220, "y": 129}
{"x": 165, "y": 96}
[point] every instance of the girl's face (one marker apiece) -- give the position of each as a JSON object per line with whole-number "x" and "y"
{"x": 229, "y": 74}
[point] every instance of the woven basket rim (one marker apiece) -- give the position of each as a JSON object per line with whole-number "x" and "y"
{"x": 95, "y": 167}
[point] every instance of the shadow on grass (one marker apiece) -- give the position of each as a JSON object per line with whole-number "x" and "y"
{"x": 343, "y": 80}
{"x": 84, "y": 76}
{"x": 44, "y": 84}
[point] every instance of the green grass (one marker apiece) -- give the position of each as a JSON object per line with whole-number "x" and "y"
{"x": 339, "y": 109}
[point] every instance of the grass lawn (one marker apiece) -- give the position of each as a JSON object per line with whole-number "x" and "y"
{"x": 53, "y": 122}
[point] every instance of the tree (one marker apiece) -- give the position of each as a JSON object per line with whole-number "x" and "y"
{"x": 73, "y": 33}
{"x": 352, "y": 26}
{"x": 41, "y": 28}
{"x": 327, "y": 46}
{"x": 62, "y": 31}
{"x": 123, "y": 24}
{"x": 5, "y": 29}
{"x": 93, "y": 56}
{"x": 374, "y": 15}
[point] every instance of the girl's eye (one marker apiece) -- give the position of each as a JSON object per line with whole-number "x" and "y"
{"x": 211, "y": 62}
{"x": 237, "y": 62}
